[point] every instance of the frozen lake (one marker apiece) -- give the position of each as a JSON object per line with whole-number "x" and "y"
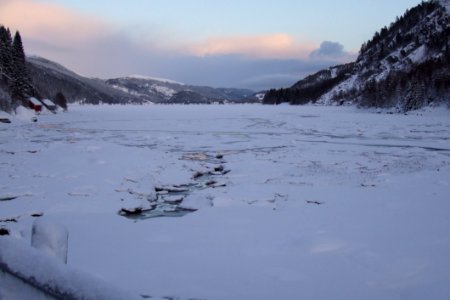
{"x": 290, "y": 202}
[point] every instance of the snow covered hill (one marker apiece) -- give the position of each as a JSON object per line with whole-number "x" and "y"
{"x": 405, "y": 65}
{"x": 168, "y": 91}
{"x": 50, "y": 78}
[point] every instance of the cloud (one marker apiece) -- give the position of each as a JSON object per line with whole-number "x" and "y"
{"x": 237, "y": 71}
{"x": 94, "y": 47}
{"x": 272, "y": 80}
{"x": 83, "y": 43}
{"x": 331, "y": 51}
{"x": 279, "y": 45}
{"x": 50, "y": 22}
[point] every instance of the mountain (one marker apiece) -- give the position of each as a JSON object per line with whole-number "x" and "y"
{"x": 405, "y": 65}
{"x": 49, "y": 78}
{"x": 167, "y": 91}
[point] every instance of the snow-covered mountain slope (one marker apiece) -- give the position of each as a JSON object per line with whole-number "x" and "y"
{"x": 405, "y": 65}
{"x": 50, "y": 78}
{"x": 137, "y": 76}
{"x": 168, "y": 91}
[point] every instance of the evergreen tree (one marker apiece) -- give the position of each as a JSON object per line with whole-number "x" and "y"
{"x": 6, "y": 60}
{"x": 61, "y": 100}
{"x": 20, "y": 86}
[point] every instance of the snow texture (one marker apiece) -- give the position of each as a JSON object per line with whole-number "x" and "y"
{"x": 50, "y": 238}
{"x": 155, "y": 79}
{"x": 35, "y": 101}
{"x": 418, "y": 55}
{"x": 48, "y": 102}
{"x": 30, "y": 274}
{"x": 446, "y": 4}
{"x": 166, "y": 91}
{"x": 23, "y": 114}
{"x": 320, "y": 203}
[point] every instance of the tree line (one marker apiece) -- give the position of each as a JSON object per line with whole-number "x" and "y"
{"x": 14, "y": 74}
{"x": 13, "y": 69}
{"x": 410, "y": 89}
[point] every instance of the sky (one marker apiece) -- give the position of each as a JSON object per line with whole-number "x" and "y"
{"x": 235, "y": 43}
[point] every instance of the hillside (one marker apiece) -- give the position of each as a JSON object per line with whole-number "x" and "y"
{"x": 405, "y": 65}
{"x": 50, "y": 78}
{"x": 168, "y": 91}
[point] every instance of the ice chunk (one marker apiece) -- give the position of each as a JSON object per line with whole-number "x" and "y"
{"x": 27, "y": 273}
{"x": 50, "y": 238}
{"x": 196, "y": 202}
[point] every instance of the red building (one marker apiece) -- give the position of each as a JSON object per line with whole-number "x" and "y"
{"x": 35, "y": 104}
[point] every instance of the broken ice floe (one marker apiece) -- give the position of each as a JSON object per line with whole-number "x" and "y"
{"x": 170, "y": 200}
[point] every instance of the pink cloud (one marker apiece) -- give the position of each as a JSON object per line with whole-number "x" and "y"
{"x": 49, "y": 27}
{"x": 50, "y": 22}
{"x": 93, "y": 46}
{"x": 261, "y": 46}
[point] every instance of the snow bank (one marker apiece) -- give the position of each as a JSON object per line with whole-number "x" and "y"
{"x": 4, "y": 114}
{"x": 24, "y": 114}
{"x": 50, "y": 238}
{"x": 27, "y": 273}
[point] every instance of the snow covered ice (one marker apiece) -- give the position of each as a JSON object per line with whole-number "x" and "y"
{"x": 319, "y": 203}
{"x": 50, "y": 238}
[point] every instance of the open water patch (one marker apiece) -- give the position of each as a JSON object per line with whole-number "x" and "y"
{"x": 168, "y": 199}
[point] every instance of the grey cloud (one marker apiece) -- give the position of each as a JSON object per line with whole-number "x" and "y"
{"x": 328, "y": 49}
{"x": 237, "y": 71}
{"x": 331, "y": 51}
{"x": 38, "y": 46}
{"x": 262, "y": 82}
{"x": 117, "y": 55}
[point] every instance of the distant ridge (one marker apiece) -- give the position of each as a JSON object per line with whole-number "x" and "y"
{"x": 158, "y": 90}
{"x": 143, "y": 77}
{"x": 49, "y": 78}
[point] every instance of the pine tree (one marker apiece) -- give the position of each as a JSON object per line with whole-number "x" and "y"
{"x": 61, "y": 100}
{"x": 20, "y": 86}
{"x": 6, "y": 60}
